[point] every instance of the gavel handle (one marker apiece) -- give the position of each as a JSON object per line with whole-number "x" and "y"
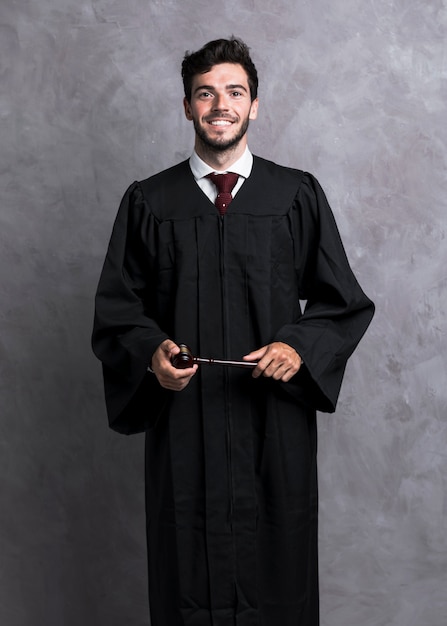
{"x": 197, "y": 359}
{"x": 185, "y": 359}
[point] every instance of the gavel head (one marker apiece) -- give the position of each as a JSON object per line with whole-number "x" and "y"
{"x": 184, "y": 358}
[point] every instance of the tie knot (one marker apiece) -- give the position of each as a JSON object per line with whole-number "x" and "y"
{"x": 224, "y": 182}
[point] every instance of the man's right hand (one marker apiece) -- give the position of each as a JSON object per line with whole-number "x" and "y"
{"x": 167, "y": 375}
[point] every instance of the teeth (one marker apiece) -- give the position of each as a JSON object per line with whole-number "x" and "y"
{"x": 220, "y": 123}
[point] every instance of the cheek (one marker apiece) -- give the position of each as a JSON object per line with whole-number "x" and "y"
{"x": 197, "y": 112}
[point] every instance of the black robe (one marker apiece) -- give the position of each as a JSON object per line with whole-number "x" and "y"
{"x": 231, "y": 478}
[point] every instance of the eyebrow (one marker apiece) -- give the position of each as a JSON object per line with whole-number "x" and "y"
{"x": 228, "y": 87}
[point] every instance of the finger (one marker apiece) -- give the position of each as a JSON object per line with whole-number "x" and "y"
{"x": 256, "y": 355}
{"x": 287, "y": 376}
{"x": 278, "y": 365}
{"x": 170, "y": 348}
{"x": 183, "y": 382}
{"x": 261, "y": 367}
{"x": 184, "y": 373}
{"x": 161, "y": 355}
{"x": 275, "y": 370}
{"x": 175, "y": 379}
{"x": 288, "y": 372}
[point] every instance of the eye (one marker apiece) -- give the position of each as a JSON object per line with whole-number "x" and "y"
{"x": 204, "y": 95}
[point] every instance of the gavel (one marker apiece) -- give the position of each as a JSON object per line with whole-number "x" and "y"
{"x": 185, "y": 359}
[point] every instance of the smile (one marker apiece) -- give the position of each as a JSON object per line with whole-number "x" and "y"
{"x": 220, "y": 123}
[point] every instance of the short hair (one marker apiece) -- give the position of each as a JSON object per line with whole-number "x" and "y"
{"x": 231, "y": 50}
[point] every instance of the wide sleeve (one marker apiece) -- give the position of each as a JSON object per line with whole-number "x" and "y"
{"x": 125, "y": 335}
{"x": 337, "y": 311}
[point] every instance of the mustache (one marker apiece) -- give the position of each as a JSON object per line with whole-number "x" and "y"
{"x": 221, "y": 116}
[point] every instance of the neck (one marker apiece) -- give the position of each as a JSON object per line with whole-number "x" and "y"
{"x": 219, "y": 159}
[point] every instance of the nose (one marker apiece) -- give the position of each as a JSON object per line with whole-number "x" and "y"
{"x": 220, "y": 103}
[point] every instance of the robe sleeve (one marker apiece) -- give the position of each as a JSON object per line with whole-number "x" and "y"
{"x": 124, "y": 334}
{"x": 337, "y": 312}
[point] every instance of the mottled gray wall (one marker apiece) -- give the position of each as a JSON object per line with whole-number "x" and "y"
{"x": 91, "y": 100}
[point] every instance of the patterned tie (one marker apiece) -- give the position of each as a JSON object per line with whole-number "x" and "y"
{"x": 224, "y": 184}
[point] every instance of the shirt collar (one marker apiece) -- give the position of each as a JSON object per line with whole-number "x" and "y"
{"x": 242, "y": 166}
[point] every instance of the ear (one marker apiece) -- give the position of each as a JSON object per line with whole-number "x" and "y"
{"x": 188, "y": 110}
{"x": 254, "y": 109}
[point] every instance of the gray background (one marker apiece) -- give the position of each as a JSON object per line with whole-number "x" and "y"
{"x": 91, "y": 100}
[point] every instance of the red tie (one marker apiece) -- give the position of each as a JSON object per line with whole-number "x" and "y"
{"x": 224, "y": 184}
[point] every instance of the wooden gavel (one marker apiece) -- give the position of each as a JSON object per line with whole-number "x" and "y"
{"x": 185, "y": 359}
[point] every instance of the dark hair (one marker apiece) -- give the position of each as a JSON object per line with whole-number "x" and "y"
{"x": 231, "y": 50}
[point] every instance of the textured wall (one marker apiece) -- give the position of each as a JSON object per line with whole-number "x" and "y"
{"x": 91, "y": 100}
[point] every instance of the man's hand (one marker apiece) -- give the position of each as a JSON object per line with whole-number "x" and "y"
{"x": 277, "y": 360}
{"x": 169, "y": 376}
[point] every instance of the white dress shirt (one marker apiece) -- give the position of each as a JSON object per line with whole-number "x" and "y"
{"x": 200, "y": 170}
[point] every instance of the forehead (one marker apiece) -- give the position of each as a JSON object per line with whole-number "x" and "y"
{"x": 222, "y": 75}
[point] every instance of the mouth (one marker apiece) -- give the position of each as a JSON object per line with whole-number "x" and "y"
{"x": 220, "y": 122}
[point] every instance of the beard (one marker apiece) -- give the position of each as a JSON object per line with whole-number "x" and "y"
{"x": 220, "y": 145}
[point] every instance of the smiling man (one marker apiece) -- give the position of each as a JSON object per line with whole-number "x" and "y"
{"x": 220, "y": 105}
{"x": 217, "y": 252}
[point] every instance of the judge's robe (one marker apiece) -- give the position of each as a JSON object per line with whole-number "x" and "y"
{"x": 231, "y": 479}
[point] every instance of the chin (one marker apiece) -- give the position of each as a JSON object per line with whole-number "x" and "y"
{"x": 223, "y": 143}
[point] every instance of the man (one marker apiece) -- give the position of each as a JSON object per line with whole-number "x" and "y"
{"x": 231, "y": 479}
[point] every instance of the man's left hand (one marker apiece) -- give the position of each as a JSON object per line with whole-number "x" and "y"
{"x": 277, "y": 360}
